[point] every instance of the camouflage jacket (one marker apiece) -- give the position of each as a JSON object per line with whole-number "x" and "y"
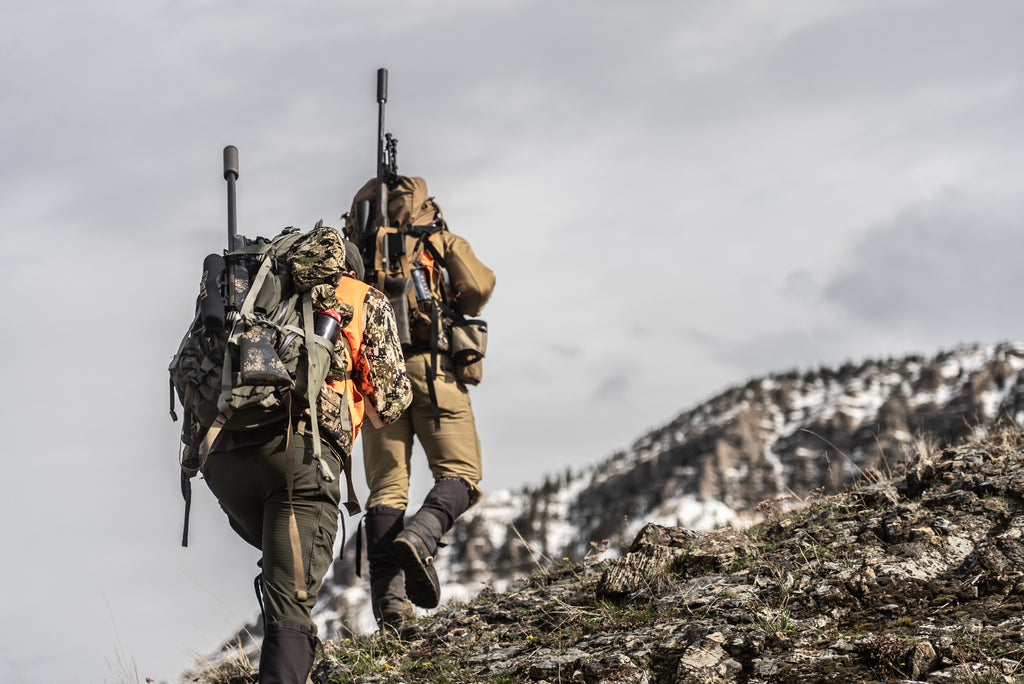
{"x": 378, "y": 375}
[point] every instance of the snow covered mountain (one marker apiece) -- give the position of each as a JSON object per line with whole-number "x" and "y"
{"x": 768, "y": 444}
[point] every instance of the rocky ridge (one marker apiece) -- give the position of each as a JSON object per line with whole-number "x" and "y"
{"x": 918, "y": 577}
{"x": 792, "y": 434}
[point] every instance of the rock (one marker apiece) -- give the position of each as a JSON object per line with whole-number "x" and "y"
{"x": 921, "y": 659}
{"x": 615, "y": 668}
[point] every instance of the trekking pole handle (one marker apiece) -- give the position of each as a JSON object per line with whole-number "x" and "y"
{"x": 382, "y": 85}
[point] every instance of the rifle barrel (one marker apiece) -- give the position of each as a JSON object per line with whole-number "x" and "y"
{"x": 231, "y": 175}
{"x": 382, "y": 85}
{"x": 382, "y": 190}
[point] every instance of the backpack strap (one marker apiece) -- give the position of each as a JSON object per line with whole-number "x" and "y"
{"x": 435, "y": 330}
{"x": 352, "y": 505}
{"x": 438, "y": 308}
{"x": 298, "y": 568}
{"x": 311, "y": 389}
{"x": 190, "y": 470}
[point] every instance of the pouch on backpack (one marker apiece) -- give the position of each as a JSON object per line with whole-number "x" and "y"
{"x": 472, "y": 282}
{"x": 468, "y": 347}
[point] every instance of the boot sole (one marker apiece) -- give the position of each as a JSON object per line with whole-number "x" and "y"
{"x": 421, "y": 583}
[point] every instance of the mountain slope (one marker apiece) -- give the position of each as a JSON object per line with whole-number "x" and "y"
{"x": 917, "y": 578}
{"x": 753, "y": 449}
{"x": 783, "y": 435}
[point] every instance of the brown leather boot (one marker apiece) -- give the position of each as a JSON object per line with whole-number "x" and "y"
{"x": 414, "y": 547}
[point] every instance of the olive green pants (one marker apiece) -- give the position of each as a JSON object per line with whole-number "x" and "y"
{"x": 250, "y": 485}
{"x": 452, "y": 451}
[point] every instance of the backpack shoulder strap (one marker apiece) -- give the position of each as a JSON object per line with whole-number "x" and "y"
{"x": 312, "y": 389}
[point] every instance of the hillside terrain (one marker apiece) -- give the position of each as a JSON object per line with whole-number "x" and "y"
{"x": 915, "y": 578}
{"x": 779, "y": 438}
{"x": 745, "y": 456}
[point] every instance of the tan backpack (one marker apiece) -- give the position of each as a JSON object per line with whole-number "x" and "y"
{"x": 434, "y": 280}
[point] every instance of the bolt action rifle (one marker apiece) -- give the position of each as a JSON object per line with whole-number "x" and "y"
{"x": 260, "y": 364}
{"x": 385, "y": 245}
{"x": 387, "y": 174}
{"x": 237, "y": 272}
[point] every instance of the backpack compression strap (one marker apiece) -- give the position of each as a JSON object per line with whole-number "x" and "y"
{"x": 190, "y": 470}
{"x": 311, "y": 389}
{"x": 438, "y": 308}
{"x": 298, "y": 569}
{"x": 352, "y": 505}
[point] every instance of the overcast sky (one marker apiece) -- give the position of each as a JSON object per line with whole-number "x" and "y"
{"x": 675, "y": 197}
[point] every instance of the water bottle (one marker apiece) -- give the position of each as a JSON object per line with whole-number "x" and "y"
{"x": 328, "y": 325}
{"x": 419, "y": 284}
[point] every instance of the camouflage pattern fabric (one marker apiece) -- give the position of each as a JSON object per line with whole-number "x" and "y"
{"x": 259, "y": 362}
{"x": 382, "y": 363}
{"x": 379, "y": 374}
{"x": 324, "y": 298}
{"x": 318, "y": 257}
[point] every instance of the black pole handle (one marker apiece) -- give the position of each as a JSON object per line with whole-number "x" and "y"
{"x": 382, "y": 85}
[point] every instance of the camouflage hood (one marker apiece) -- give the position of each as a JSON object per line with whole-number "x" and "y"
{"x": 316, "y": 261}
{"x": 317, "y": 257}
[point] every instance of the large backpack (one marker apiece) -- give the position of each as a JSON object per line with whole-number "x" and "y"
{"x": 434, "y": 281}
{"x": 263, "y": 364}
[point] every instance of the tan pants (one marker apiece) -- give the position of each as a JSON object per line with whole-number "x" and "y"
{"x": 452, "y": 451}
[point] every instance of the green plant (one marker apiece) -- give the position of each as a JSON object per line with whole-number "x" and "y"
{"x": 885, "y": 655}
{"x": 365, "y": 653}
{"x": 771, "y": 622}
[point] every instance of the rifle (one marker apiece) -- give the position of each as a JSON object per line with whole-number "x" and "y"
{"x": 387, "y": 174}
{"x": 260, "y": 364}
{"x": 237, "y": 281}
{"x": 396, "y": 288}
{"x": 381, "y": 219}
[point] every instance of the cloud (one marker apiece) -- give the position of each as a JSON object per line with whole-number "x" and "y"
{"x": 944, "y": 268}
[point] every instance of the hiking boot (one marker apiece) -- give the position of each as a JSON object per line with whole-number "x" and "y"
{"x": 414, "y": 547}
{"x": 390, "y": 605}
{"x": 287, "y": 653}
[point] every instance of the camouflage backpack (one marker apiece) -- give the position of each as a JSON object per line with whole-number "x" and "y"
{"x": 264, "y": 364}
{"x": 433, "y": 279}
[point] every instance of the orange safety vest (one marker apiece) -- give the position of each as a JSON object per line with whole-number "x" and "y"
{"x": 352, "y": 292}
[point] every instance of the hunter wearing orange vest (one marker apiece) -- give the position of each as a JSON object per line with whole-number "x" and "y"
{"x": 263, "y": 497}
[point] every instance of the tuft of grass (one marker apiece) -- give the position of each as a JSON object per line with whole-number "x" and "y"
{"x": 235, "y": 668}
{"x": 771, "y": 622}
{"x": 124, "y": 669}
{"x": 885, "y": 654}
